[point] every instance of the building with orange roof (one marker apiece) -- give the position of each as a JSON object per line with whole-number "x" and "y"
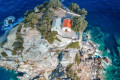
{"x": 67, "y": 25}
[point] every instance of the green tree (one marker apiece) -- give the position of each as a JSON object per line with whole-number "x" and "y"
{"x": 28, "y": 12}
{"x": 78, "y": 24}
{"x": 54, "y": 4}
{"x": 45, "y": 3}
{"x": 74, "y": 7}
{"x": 49, "y": 15}
{"x": 43, "y": 7}
{"x": 45, "y": 23}
{"x": 31, "y": 19}
{"x": 82, "y": 12}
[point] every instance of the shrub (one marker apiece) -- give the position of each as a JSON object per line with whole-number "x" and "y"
{"x": 4, "y": 54}
{"x": 40, "y": 6}
{"x": 2, "y": 43}
{"x": 45, "y": 3}
{"x": 57, "y": 39}
{"x": 54, "y": 4}
{"x": 45, "y": 23}
{"x": 43, "y": 7}
{"x": 31, "y": 19}
{"x": 28, "y": 12}
{"x": 74, "y": 7}
{"x": 51, "y": 36}
{"x": 70, "y": 73}
{"x": 43, "y": 10}
{"x": 19, "y": 27}
{"x": 79, "y": 70}
{"x": 82, "y": 11}
{"x": 18, "y": 44}
{"x": 70, "y": 65}
{"x": 78, "y": 24}
{"x": 77, "y": 60}
{"x": 73, "y": 45}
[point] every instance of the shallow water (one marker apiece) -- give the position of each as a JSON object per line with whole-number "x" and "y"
{"x": 7, "y": 74}
{"x": 101, "y": 13}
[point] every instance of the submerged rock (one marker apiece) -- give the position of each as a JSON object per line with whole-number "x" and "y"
{"x": 36, "y": 9}
{"x": 117, "y": 37}
{"x": 118, "y": 48}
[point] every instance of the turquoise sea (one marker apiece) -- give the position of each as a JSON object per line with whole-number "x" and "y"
{"x": 7, "y": 74}
{"x": 103, "y": 23}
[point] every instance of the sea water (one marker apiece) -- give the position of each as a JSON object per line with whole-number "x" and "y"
{"x": 103, "y": 23}
{"x": 7, "y": 74}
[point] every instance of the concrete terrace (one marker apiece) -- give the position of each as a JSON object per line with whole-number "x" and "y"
{"x": 61, "y": 13}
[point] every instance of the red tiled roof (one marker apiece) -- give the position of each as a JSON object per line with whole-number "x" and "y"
{"x": 67, "y": 23}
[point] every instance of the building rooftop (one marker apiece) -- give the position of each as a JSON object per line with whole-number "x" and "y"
{"x": 67, "y": 23}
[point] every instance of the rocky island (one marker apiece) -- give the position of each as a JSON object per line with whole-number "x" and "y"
{"x": 48, "y": 45}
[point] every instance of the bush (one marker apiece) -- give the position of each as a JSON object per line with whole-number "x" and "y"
{"x": 45, "y": 4}
{"x": 4, "y": 54}
{"x": 78, "y": 24}
{"x": 43, "y": 7}
{"x": 40, "y": 6}
{"x": 19, "y": 27}
{"x": 79, "y": 70}
{"x": 82, "y": 12}
{"x": 74, "y": 7}
{"x": 57, "y": 39}
{"x": 31, "y": 19}
{"x": 2, "y": 43}
{"x": 28, "y": 12}
{"x": 43, "y": 10}
{"x": 45, "y": 23}
{"x": 73, "y": 45}
{"x": 18, "y": 44}
{"x": 70, "y": 73}
{"x": 77, "y": 60}
{"x": 51, "y": 36}
{"x": 54, "y": 4}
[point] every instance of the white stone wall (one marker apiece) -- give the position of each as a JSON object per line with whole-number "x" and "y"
{"x": 68, "y": 29}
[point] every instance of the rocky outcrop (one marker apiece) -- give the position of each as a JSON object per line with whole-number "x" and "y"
{"x": 42, "y": 60}
{"x": 7, "y": 47}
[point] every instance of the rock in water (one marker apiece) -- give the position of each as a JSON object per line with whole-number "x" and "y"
{"x": 118, "y": 48}
{"x": 36, "y": 9}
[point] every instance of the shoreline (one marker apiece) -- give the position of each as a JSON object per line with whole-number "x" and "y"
{"x": 96, "y": 48}
{"x": 4, "y": 36}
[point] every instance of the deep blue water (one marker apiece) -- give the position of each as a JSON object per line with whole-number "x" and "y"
{"x": 101, "y": 13}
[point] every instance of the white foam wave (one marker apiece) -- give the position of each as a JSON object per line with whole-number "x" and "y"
{"x": 7, "y": 27}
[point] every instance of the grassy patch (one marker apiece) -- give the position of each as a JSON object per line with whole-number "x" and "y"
{"x": 73, "y": 45}
{"x": 77, "y": 60}
{"x": 51, "y": 36}
{"x": 4, "y": 54}
{"x": 57, "y": 39}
